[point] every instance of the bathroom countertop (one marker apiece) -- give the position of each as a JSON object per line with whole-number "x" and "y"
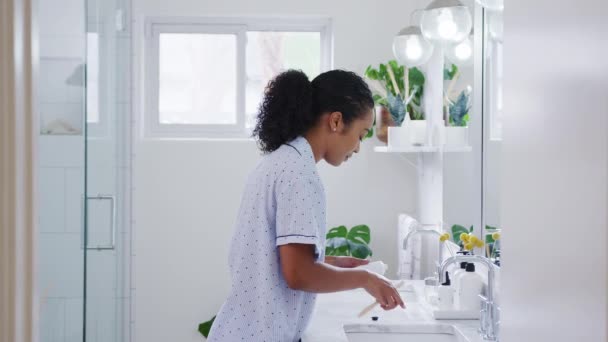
{"x": 334, "y": 310}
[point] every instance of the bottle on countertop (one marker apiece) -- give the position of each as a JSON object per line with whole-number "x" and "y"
{"x": 445, "y": 294}
{"x": 457, "y": 274}
{"x": 469, "y": 289}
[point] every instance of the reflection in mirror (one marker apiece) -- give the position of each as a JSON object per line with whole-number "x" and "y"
{"x": 492, "y": 134}
{"x": 461, "y": 204}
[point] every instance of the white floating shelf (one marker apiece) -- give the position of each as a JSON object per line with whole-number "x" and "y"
{"x": 422, "y": 149}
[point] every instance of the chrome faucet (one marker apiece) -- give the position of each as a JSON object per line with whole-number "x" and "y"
{"x": 489, "y": 319}
{"x": 420, "y": 229}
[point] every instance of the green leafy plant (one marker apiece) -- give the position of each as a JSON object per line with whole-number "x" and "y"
{"x": 450, "y": 72}
{"x": 388, "y": 88}
{"x": 344, "y": 242}
{"x": 457, "y": 110}
{"x": 492, "y": 242}
{"x": 205, "y": 327}
{"x": 456, "y": 231}
{"x": 491, "y": 238}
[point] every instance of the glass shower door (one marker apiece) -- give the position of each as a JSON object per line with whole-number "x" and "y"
{"x": 107, "y": 272}
{"x": 83, "y": 171}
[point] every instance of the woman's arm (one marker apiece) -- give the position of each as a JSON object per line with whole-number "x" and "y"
{"x": 302, "y": 272}
{"x": 345, "y": 262}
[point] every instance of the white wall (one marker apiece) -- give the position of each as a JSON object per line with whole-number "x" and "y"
{"x": 555, "y": 166}
{"x": 187, "y": 192}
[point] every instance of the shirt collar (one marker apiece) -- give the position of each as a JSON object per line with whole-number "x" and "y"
{"x": 303, "y": 147}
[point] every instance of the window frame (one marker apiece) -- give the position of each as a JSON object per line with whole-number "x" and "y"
{"x": 239, "y": 26}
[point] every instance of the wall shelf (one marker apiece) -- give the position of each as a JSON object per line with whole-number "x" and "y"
{"x": 422, "y": 149}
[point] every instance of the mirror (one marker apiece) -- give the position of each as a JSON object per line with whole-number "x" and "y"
{"x": 462, "y": 204}
{"x": 492, "y": 128}
{"x": 472, "y": 180}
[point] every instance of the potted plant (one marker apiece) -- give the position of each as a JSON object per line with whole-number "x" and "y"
{"x": 397, "y": 92}
{"x": 456, "y": 112}
{"x": 341, "y": 241}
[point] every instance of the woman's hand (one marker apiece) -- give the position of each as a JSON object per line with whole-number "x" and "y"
{"x": 345, "y": 262}
{"x": 384, "y": 292}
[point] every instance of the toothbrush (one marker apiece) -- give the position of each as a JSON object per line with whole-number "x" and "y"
{"x": 373, "y": 305}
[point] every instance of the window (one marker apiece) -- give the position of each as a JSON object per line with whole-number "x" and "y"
{"x": 206, "y": 78}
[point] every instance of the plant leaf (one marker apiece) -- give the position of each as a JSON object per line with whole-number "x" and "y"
{"x": 460, "y": 109}
{"x": 416, "y": 77}
{"x": 336, "y": 242}
{"x": 371, "y": 73}
{"x": 359, "y": 234}
{"x": 397, "y": 108}
{"x": 205, "y": 327}
{"x": 450, "y": 72}
{"x": 359, "y": 250}
{"x": 339, "y": 231}
{"x": 456, "y": 231}
{"x": 370, "y": 133}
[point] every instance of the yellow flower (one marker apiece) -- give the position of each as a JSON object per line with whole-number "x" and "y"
{"x": 478, "y": 243}
{"x": 473, "y": 239}
{"x": 464, "y": 237}
{"x": 469, "y": 246}
{"x": 444, "y": 237}
{"x": 496, "y": 236}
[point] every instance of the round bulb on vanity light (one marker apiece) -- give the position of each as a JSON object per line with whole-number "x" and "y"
{"x": 492, "y": 5}
{"x": 461, "y": 53}
{"x": 446, "y": 21}
{"x": 410, "y": 48}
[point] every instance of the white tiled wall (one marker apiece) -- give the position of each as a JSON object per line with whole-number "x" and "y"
{"x": 61, "y": 258}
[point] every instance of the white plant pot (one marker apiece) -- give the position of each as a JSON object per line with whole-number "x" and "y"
{"x": 418, "y": 132}
{"x": 399, "y": 137}
{"x": 457, "y": 136}
{"x": 411, "y": 134}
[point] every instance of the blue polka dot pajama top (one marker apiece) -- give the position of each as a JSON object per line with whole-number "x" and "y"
{"x": 283, "y": 202}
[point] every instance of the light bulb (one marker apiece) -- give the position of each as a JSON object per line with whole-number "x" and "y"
{"x": 410, "y": 48}
{"x": 461, "y": 53}
{"x": 447, "y": 28}
{"x": 413, "y": 49}
{"x": 446, "y": 22}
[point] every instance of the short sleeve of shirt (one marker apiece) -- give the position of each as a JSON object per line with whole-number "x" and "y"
{"x": 295, "y": 214}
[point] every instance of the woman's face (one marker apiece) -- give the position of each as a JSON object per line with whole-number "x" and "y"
{"x": 344, "y": 141}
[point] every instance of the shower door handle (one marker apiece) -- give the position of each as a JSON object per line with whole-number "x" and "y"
{"x": 112, "y": 200}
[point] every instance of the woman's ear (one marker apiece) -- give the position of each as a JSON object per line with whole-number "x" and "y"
{"x": 335, "y": 122}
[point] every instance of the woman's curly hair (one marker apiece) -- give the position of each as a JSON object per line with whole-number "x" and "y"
{"x": 292, "y": 104}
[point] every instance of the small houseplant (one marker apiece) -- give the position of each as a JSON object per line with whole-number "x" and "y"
{"x": 397, "y": 92}
{"x": 456, "y": 111}
{"x": 341, "y": 241}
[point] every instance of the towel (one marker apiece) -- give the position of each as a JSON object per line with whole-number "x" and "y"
{"x": 408, "y": 265}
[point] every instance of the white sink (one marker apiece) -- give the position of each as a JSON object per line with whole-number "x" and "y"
{"x": 418, "y": 332}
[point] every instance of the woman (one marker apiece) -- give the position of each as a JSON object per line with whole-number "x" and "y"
{"x": 277, "y": 258}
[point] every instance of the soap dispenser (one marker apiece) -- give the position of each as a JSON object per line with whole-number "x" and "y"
{"x": 445, "y": 294}
{"x": 457, "y": 274}
{"x": 469, "y": 289}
